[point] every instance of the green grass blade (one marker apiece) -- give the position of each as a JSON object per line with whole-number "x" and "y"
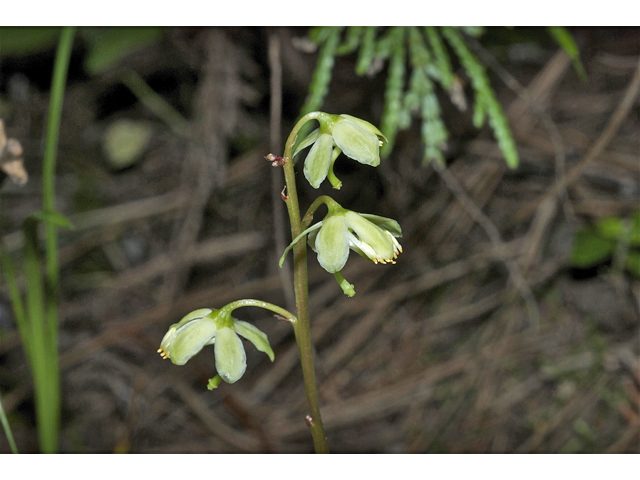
{"x": 16, "y": 299}
{"x": 7, "y": 430}
{"x": 38, "y": 335}
{"x": 45, "y": 365}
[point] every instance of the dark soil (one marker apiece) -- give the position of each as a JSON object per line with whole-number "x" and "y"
{"x": 482, "y": 338}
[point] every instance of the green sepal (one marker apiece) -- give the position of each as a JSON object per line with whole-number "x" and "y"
{"x": 231, "y": 359}
{"x": 201, "y": 312}
{"x": 384, "y": 223}
{"x": 332, "y": 244}
{"x": 369, "y": 127}
{"x": 255, "y": 336}
{"x": 318, "y": 161}
{"x": 181, "y": 343}
{"x": 370, "y": 234}
{"x": 356, "y": 142}
{"x": 295, "y": 240}
{"x": 308, "y": 140}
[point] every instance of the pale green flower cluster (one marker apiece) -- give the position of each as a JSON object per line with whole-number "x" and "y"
{"x": 340, "y": 232}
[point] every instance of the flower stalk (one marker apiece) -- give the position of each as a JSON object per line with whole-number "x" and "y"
{"x": 302, "y": 328}
{"x": 332, "y": 238}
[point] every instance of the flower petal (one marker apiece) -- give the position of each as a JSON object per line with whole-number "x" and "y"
{"x": 372, "y": 235}
{"x": 356, "y": 143}
{"x": 231, "y": 359}
{"x": 189, "y": 339}
{"x": 316, "y": 165}
{"x": 388, "y": 224}
{"x": 202, "y": 312}
{"x": 255, "y": 336}
{"x": 332, "y": 244}
{"x": 363, "y": 124}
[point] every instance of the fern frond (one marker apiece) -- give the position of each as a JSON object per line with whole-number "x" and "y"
{"x": 351, "y": 40}
{"x": 329, "y": 37}
{"x": 367, "y": 50}
{"x": 562, "y": 36}
{"x": 485, "y": 97}
{"x": 443, "y": 69}
{"x": 395, "y": 85}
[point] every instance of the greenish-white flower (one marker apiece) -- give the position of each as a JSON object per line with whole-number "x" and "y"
{"x": 370, "y": 236}
{"x": 356, "y": 138}
{"x": 214, "y": 327}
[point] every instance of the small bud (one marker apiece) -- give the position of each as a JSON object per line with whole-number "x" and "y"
{"x": 276, "y": 160}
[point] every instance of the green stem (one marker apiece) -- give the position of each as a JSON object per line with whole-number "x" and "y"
{"x": 333, "y": 180}
{"x": 49, "y": 440}
{"x": 300, "y": 280}
{"x": 321, "y": 200}
{"x": 247, "y": 302}
{"x": 348, "y": 289}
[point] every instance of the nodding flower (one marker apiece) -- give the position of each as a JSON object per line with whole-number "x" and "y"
{"x": 370, "y": 236}
{"x": 214, "y": 327}
{"x": 356, "y": 138}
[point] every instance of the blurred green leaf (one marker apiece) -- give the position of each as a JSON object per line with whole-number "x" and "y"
{"x": 634, "y": 237}
{"x": 633, "y": 263}
{"x": 54, "y": 218}
{"x": 589, "y": 249}
{"x": 115, "y": 43}
{"x": 611, "y": 228}
{"x": 615, "y": 228}
{"x": 20, "y": 41}
{"x": 568, "y": 44}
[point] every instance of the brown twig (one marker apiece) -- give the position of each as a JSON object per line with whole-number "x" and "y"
{"x": 615, "y": 121}
{"x": 275, "y": 127}
{"x": 537, "y": 108}
{"x": 494, "y": 235}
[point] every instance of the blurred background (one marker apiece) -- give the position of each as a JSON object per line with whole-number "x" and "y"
{"x": 509, "y": 324}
